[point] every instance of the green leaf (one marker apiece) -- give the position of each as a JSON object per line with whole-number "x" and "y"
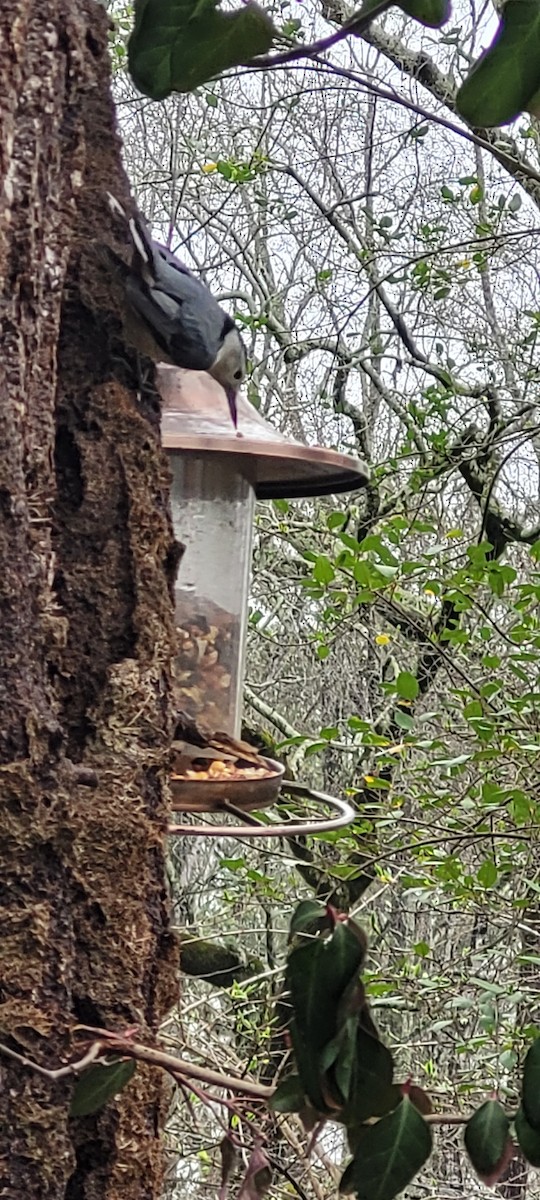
{"x": 507, "y": 75}
{"x": 487, "y": 874}
{"x": 289, "y": 1096}
{"x": 530, "y": 1096}
{"x": 390, "y": 1154}
{"x": 384, "y": 571}
{"x": 486, "y": 1138}
{"x": 323, "y": 571}
{"x": 407, "y": 685}
{"x": 309, "y": 917}
{"x": 337, "y": 1060}
{"x": 335, "y": 520}
{"x": 176, "y": 45}
{"x": 99, "y": 1084}
{"x": 403, "y": 720}
{"x": 429, "y": 12}
{"x": 371, "y": 1092}
{"x": 371, "y": 6}
{"x": 363, "y": 573}
{"x": 528, "y": 1138}
{"x": 420, "y": 1098}
{"x": 317, "y": 975}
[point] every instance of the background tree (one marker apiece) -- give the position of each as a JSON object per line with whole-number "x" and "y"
{"x": 394, "y": 641}
{"x": 86, "y": 631}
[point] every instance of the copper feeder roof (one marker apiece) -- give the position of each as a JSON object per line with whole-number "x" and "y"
{"x": 196, "y": 417}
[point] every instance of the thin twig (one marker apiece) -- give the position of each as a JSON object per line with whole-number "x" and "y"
{"x": 181, "y": 1070}
{"x": 58, "y": 1072}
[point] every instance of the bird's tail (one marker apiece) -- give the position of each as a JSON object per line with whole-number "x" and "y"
{"x": 144, "y": 261}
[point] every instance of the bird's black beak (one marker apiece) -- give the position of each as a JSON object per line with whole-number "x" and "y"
{"x": 231, "y": 399}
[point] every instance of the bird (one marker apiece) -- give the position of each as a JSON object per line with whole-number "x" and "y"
{"x": 194, "y": 742}
{"x": 189, "y": 326}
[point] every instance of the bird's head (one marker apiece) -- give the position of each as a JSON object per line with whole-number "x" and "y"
{"x": 229, "y": 367}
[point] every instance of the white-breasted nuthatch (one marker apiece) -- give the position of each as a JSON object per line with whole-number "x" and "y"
{"x": 188, "y": 325}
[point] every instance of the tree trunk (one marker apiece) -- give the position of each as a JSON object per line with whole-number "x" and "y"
{"x": 86, "y": 630}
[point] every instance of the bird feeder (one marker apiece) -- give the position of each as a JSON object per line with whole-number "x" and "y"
{"x": 217, "y": 474}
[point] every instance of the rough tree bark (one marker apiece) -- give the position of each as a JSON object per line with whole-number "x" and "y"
{"x": 86, "y": 564}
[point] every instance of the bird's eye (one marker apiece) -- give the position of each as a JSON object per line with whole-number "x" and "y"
{"x": 237, "y": 374}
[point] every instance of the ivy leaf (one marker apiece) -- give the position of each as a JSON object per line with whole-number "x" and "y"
{"x": 289, "y": 1096}
{"x": 99, "y": 1084}
{"x": 420, "y": 1099}
{"x": 507, "y": 76}
{"x": 317, "y": 975}
{"x": 390, "y": 1154}
{"x": 486, "y": 1140}
{"x": 354, "y": 1003}
{"x": 528, "y": 1138}
{"x": 309, "y": 1117}
{"x": 176, "y": 45}
{"x": 338, "y": 1058}
{"x": 530, "y": 1096}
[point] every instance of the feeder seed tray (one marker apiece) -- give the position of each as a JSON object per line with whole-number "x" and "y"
{"x": 211, "y": 795}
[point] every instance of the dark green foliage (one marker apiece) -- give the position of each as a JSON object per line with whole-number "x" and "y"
{"x": 345, "y": 1072}
{"x": 530, "y": 1097}
{"x": 344, "y": 1069}
{"x": 486, "y": 1139}
{"x": 528, "y": 1138}
{"x": 429, "y": 12}
{"x": 99, "y": 1084}
{"x": 178, "y": 44}
{"x": 389, "y": 1154}
{"x": 309, "y": 917}
{"x": 506, "y": 78}
{"x": 289, "y": 1096}
{"x": 319, "y": 971}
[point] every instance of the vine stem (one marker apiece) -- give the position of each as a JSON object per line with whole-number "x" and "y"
{"x": 107, "y": 1042}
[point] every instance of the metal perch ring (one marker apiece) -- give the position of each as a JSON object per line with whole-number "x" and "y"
{"x": 256, "y": 828}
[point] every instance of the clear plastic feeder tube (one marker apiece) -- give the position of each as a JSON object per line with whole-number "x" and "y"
{"x": 212, "y": 508}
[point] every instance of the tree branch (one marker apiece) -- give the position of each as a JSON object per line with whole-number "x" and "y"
{"x": 418, "y": 66}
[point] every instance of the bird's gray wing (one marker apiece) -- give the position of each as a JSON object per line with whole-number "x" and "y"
{"x": 182, "y": 337}
{"x": 185, "y": 319}
{"x": 196, "y": 318}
